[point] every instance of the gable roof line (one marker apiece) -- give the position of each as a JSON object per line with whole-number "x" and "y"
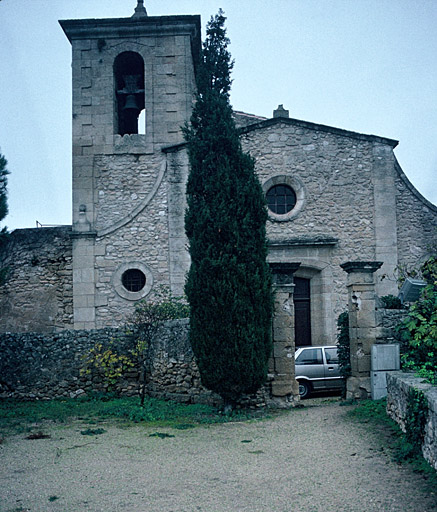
{"x": 303, "y": 124}
{"x": 319, "y": 127}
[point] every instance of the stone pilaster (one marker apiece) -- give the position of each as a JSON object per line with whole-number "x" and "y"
{"x": 84, "y": 286}
{"x": 362, "y": 323}
{"x": 179, "y": 257}
{"x": 281, "y": 367}
{"x": 386, "y": 242}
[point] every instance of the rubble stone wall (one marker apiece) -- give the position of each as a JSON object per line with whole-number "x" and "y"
{"x": 47, "y": 366}
{"x": 143, "y": 240}
{"x": 36, "y": 365}
{"x": 416, "y": 223}
{"x": 398, "y": 387}
{"x": 37, "y": 294}
{"x": 41, "y": 366}
{"x": 386, "y": 322}
{"x": 334, "y": 179}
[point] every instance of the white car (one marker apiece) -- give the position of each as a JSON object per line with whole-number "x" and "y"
{"x": 317, "y": 369}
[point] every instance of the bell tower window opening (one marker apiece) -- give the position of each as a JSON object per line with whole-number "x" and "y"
{"x": 129, "y": 92}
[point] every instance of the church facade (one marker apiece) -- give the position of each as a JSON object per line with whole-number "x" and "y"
{"x": 333, "y": 195}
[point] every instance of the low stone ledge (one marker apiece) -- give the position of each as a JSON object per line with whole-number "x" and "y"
{"x": 398, "y": 387}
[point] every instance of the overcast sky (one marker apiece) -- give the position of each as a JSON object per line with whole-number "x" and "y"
{"x": 368, "y": 66}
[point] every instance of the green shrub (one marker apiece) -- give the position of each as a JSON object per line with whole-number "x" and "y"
{"x": 391, "y": 302}
{"x": 106, "y": 360}
{"x": 418, "y": 332}
{"x": 3, "y": 212}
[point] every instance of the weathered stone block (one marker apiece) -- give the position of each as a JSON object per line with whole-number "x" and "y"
{"x": 282, "y": 386}
{"x": 284, "y": 365}
{"x": 283, "y": 335}
{"x": 283, "y": 349}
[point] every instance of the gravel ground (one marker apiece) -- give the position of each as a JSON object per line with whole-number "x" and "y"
{"x": 307, "y": 460}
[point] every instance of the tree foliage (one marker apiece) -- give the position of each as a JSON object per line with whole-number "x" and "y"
{"x": 109, "y": 361}
{"x": 3, "y": 208}
{"x": 344, "y": 349}
{"x": 3, "y": 189}
{"x": 391, "y": 302}
{"x": 418, "y": 331}
{"x": 112, "y": 359}
{"x": 229, "y": 282}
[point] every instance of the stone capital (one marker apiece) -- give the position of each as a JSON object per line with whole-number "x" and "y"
{"x": 361, "y": 267}
{"x": 283, "y": 273}
{"x": 360, "y": 272}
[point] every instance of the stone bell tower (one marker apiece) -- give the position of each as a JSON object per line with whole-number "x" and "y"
{"x": 133, "y": 85}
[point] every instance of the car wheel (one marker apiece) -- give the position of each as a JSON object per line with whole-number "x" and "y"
{"x": 304, "y": 389}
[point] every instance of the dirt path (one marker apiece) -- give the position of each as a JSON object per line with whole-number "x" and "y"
{"x": 308, "y": 460}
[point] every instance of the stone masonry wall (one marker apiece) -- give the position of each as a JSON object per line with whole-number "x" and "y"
{"x": 416, "y": 222}
{"x": 46, "y": 366}
{"x": 398, "y": 387}
{"x": 336, "y": 174}
{"x": 34, "y": 365}
{"x": 41, "y": 366}
{"x": 120, "y": 203}
{"x": 386, "y": 322}
{"x": 37, "y": 294}
{"x": 37, "y": 366}
{"x": 129, "y": 186}
{"x": 122, "y": 183}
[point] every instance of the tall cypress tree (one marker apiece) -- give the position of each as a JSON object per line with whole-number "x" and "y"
{"x": 3, "y": 189}
{"x": 3, "y": 209}
{"x": 229, "y": 282}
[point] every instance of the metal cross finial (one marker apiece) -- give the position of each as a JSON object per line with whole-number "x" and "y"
{"x": 140, "y": 10}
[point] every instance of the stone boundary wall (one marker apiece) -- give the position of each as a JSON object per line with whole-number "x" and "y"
{"x": 173, "y": 373}
{"x": 38, "y": 291}
{"x": 398, "y": 386}
{"x": 46, "y": 366}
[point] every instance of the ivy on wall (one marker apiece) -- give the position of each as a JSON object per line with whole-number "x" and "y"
{"x": 415, "y": 420}
{"x": 343, "y": 344}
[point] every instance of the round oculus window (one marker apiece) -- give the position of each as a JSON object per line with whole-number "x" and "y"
{"x": 281, "y": 199}
{"x": 133, "y": 280}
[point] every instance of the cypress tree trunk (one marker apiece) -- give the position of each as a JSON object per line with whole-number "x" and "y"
{"x": 229, "y": 282}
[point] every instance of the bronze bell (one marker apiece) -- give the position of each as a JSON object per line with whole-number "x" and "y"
{"x": 131, "y": 104}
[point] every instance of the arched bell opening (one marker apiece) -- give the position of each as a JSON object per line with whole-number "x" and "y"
{"x": 129, "y": 92}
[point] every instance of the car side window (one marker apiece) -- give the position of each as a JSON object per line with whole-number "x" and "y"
{"x": 310, "y": 356}
{"x": 331, "y": 355}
